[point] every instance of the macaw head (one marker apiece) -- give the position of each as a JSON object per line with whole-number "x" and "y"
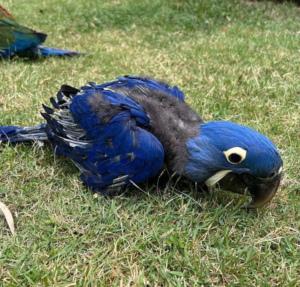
{"x": 238, "y": 158}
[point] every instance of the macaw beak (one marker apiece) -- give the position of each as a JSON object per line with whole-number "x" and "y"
{"x": 262, "y": 190}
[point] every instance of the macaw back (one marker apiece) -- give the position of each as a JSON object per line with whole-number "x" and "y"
{"x": 122, "y": 131}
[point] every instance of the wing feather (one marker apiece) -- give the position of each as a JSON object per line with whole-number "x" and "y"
{"x": 115, "y": 145}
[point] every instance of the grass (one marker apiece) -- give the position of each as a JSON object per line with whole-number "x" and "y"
{"x": 236, "y": 60}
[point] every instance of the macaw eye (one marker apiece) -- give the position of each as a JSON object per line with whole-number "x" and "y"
{"x": 235, "y": 155}
{"x": 234, "y": 158}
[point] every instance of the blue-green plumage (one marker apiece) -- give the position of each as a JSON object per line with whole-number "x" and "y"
{"x": 17, "y": 40}
{"x": 124, "y": 131}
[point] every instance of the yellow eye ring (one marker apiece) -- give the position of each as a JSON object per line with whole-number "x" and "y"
{"x": 235, "y": 155}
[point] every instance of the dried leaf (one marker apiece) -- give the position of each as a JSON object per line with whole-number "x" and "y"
{"x": 8, "y": 217}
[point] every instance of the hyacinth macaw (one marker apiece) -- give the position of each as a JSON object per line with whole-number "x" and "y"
{"x": 125, "y": 131}
{"x": 17, "y": 40}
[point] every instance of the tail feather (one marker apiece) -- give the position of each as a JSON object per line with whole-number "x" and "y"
{"x": 49, "y": 51}
{"x": 21, "y": 134}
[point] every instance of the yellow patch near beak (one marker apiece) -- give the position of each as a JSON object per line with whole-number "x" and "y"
{"x": 216, "y": 177}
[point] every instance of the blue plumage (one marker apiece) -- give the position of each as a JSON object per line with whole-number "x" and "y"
{"x": 125, "y": 130}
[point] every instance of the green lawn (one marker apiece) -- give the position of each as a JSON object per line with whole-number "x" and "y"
{"x": 235, "y": 60}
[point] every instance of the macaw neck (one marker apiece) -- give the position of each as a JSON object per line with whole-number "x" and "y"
{"x": 173, "y": 123}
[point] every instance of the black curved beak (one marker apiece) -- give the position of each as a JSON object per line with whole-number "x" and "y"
{"x": 262, "y": 190}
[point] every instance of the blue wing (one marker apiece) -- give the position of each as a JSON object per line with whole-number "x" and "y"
{"x": 106, "y": 134}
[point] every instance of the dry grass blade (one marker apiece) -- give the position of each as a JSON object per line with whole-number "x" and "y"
{"x": 8, "y": 217}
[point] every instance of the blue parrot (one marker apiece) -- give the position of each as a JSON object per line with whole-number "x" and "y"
{"x": 17, "y": 40}
{"x": 127, "y": 130}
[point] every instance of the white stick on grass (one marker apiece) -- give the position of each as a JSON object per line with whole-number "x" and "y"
{"x": 8, "y": 217}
